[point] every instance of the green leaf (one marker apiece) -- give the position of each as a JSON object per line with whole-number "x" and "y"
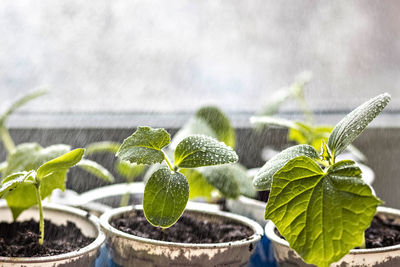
{"x": 96, "y": 169}
{"x": 55, "y": 180}
{"x": 267, "y": 120}
{"x": 199, "y": 187}
{"x": 245, "y": 181}
{"x": 20, "y": 102}
{"x": 263, "y": 179}
{"x": 192, "y": 127}
{"x": 219, "y": 123}
{"x": 128, "y": 170}
{"x": 30, "y": 156}
{"x": 102, "y": 147}
{"x": 62, "y": 163}
{"x": 165, "y": 197}
{"x": 321, "y": 214}
{"x": 3, "y": 167}
{"x": 326, "y": 153}
{"x": 351, "y": 126}
{"x": 144, "y": 146}
{"x": 222, "y": 178}
{"x": 311, "y": 135}
{"x": 21, "y": 198}
{"x": 200, "y": 150}
{"x": 13, "y": 181}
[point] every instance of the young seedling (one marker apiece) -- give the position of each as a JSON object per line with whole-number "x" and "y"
{"x": 300, "y": 132}
{"x": 29, "y": 156}
{"x": 322, "y": 207}
{"x": 229, "y": 180}
{"x": 127, "y": 170}
{"x": 167, "y": 190}
{"x": 28, "y": 188}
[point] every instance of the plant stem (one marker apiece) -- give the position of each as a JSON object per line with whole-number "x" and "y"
{"x": 7, "y": 140}
{"x": 41, "y": 220}
{"x": 124, "y": 199}
{"x": 168, "y": 162}
{"x": 363, "y": 242}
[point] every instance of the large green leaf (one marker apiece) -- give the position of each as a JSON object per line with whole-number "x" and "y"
{"x": 351, "y": 126}
{"x": 62, "y": 163}
{"x": 200, "y": 150}
{"x": 144, "y": 146}
{"x": 165, "y": 197}
{"x": 263, "y": 179}
{"x": 321, "y": 214}
{"x": 219, "y": 123}
{"x": 96, "y": 169}
{"x": 30, "y": 156}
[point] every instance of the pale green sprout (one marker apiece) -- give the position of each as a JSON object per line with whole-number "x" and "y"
{"x": 20, "y": 188}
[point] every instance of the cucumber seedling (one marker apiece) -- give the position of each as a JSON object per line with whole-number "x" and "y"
{"x": 29, "y": 156}
{"x": 212, "y": 182}
{"x": 167, "y": 190}
{"x": 28, "y": 188}
{"x": 322, "y": 207}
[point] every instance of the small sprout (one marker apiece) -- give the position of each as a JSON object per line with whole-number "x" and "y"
{"x": 167, "y": 190}
{"x": 322, "y": 207}
{"x": 25, "y": 189}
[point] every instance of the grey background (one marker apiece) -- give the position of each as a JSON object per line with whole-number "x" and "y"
{"x": 154, "y": 55}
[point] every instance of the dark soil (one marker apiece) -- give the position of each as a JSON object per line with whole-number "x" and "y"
{"x": 383, "y": 232}
{"x": 262, "y": 196}
{"x": 20, "y": 239}
{"x": 188, "y": 229}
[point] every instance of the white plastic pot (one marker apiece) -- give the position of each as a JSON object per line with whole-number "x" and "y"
{"x": 59, "y": 214}
{"x": 387, "y": 256}
{"x": 99, "y": 200}
{"x": 248, "y": 207}
{"x": 129, "y": 250}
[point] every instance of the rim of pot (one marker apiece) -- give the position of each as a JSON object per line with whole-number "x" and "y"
{"x": 270, "y": 233}
{"x": 110, "y": 191}
{"x": 251, "y": 201}
{"x": 99, "y": 240}
{"x": 255, "y": 227}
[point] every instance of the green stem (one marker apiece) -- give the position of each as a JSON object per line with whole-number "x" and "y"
{"x": 41, "y": 220}
{"x": 168, "y": 162}
{"x": 7, "y": 140}
{"x": 363, "y": 242}
{"x": 125, "y": 199}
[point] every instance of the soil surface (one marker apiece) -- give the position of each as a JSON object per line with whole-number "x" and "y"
{"x": 20, "y": 239}
{"x": 383, "y": 232}
{"x": 188, "y": 229}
